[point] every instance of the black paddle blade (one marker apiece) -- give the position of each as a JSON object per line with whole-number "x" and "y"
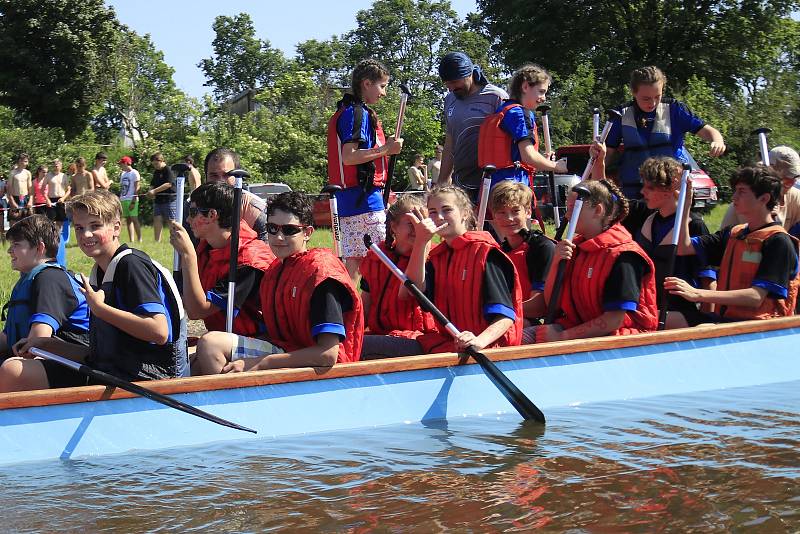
{"x": 112, "y": 380}
{"x": 527, "y": 409}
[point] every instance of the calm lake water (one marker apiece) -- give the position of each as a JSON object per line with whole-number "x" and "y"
{"x": 710, "y": 462}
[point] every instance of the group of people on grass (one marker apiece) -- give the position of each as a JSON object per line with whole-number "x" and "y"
{"x": 296, "y": 306}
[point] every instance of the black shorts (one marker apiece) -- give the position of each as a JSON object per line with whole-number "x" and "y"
{"x": 61, "y": 376}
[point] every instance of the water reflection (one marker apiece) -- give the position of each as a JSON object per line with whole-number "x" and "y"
{"x": 711, "y": 462}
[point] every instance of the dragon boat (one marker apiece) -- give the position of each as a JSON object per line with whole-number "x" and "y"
{"x": 98, "y": 420}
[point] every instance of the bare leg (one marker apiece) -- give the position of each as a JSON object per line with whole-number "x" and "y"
{"x": 129, "y": 224}
{"x": 138, "y": 229}
{"x": 158, "y": 224}
{"x": 19, "y": 374}
{"x": 675, "y": 320}
{"x": 352, "y": 265}
{"x": 213, "y": 352}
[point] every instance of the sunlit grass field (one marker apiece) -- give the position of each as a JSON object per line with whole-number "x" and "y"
{"x": 162, "y": 252}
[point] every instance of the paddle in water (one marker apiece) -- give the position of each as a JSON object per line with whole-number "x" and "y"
{"x": 526, "y": 408}
{"x": 112, "y": 380}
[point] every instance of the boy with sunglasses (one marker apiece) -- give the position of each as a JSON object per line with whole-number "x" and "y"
{"x": 312, "y": 311}
{"x": 205, "y": 270}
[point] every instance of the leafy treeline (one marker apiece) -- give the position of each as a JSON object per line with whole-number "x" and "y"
{"x": 72, "y": 76}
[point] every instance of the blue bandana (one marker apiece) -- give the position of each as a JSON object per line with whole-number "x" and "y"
{"x": 455, "y": 66}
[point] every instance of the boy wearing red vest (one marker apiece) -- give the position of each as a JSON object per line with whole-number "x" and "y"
{"x": 205, "y": 271}
{"x": 530, "y": 250}
{"x": 758, "y": 260}
{"x": 312, "y": 312}
{"x": 357, "y": 161}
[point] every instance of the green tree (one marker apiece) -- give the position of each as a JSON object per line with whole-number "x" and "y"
{"x": 143, "y": 98}
{"x": 52, "y": 56}
{"x": 729, "y": 42}
{"x": 241, "y": 60}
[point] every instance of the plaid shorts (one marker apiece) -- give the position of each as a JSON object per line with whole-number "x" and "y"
{"x": 250, "y": 347}
{"x": 354, "y": 228}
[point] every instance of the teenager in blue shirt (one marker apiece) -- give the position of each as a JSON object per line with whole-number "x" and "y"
{"x": 528, "y": 90}
{"x": 652, "y": 125}
{"x": 358, "y": 153}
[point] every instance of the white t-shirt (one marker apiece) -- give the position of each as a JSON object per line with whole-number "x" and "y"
{"x": 127, "y": 184}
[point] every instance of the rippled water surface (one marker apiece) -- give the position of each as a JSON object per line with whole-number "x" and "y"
{"x": 709, "y": 462}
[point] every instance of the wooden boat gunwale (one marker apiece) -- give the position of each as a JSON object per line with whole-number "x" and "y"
{"x": 27, "y": 399}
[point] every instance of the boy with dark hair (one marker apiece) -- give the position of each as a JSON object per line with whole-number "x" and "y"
{"x": 311, "y": 307}
{"x": 205, "y": 271}
{"x": 46, "y": 301}
{"x": 758, "y": 260}
{"x": 137, "y": 326}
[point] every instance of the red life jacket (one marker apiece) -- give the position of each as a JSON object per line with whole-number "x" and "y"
{"x": 739, "y": 267}
{"x": 367, "y": 175}
{"x": 519, "y": 257}
{"x": 585, "y": 278}
{"x": 213, "y": 265}
{"x": 494, "y": 143}
{"x": 286, "y": 291}
{"x": 388, "y": 313}
{"x": 459, "y": 268}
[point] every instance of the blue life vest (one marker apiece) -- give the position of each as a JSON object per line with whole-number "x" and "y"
{"x": 638, "y": 148}
{"x": 17, "y": 311}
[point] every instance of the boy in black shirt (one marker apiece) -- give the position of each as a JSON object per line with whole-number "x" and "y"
{"x": 137, "y": 325}
{"x": 163, "y": 192}
{"x": 758, "y": 260}
{"x": 530, "y": 250}
{"x": 46, "y": 301}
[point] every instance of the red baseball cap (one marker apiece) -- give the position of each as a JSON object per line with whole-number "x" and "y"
{"x": 126, "y": 160}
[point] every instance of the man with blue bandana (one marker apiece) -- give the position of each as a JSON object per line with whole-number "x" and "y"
{"x": 470, "y": 100}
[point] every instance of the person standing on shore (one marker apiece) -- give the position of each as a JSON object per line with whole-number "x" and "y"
{"x": 57, "y": 189}
{"x": 418, "y": 174}
{"x": 81, "y": 181}
{"x": 194, "y": 174}
{"x": 20, "y": 183}
{"x": 99, "y": 174}
{"x": 129, "y": 180}
{"x": 434, "y": 166}
{"x": 163, "y": 194}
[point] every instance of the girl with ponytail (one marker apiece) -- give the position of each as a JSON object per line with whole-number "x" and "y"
{"x": 609, "y": 283}
{"x": 358, "y": 153}
{"x": 467, "y": 276}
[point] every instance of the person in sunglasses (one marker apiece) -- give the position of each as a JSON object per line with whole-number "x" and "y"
{"x": 312, "y": 311}
{"x": 205, "y": 270}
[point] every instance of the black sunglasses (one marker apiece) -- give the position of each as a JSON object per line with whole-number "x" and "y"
{"x": 194, "y": 211}
{"x": 285, "y": 229}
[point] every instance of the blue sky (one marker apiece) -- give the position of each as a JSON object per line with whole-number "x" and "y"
{"x": 182, "y": 30}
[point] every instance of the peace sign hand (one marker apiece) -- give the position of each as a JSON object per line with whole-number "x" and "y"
{"x": 424, "y": 227}
{"x": 95, "y": 299}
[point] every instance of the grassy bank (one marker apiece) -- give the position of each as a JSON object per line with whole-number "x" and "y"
{"x": 162, "y": 252}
